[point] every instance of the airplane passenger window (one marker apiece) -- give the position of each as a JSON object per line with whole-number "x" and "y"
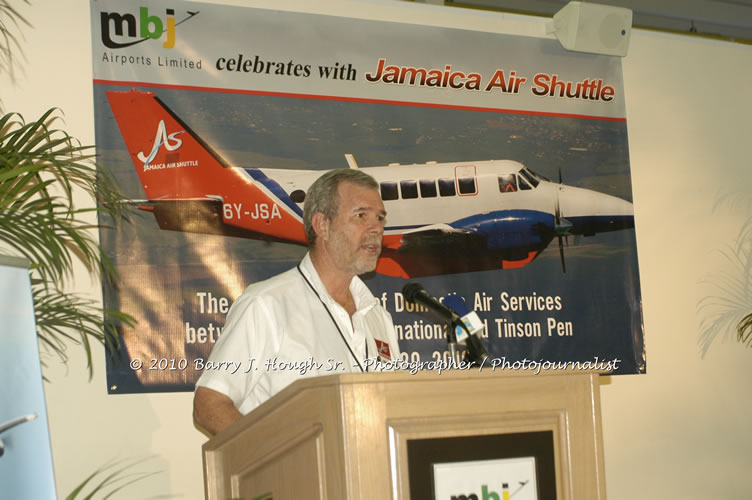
{"x": 529, "y": 177}
{"x": 409, "y": 189}
{"x": 389, "y": 191}
{"x": 298, "y": 196}
{"x": 467, "y": 185}
{"x": 446, "y": 187}
{"x": 428, "y": 188}
{"x": 508, "y": 183}
{"x": 524, "y": 186}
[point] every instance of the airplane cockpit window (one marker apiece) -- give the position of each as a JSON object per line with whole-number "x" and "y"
{"x": 409, "y": 189}
{"x": 530, "y": 177}
{"x": 389, "y": 191}
{"x": 446, "y": 187}
{"x": 524, "y": 185}
{"x": 538, "y": 175}
{"x": 467, "y": 185}
{"x": 427, "y": 188}
{"x": 508, "y": 183}
{"x": 298, "y": 196}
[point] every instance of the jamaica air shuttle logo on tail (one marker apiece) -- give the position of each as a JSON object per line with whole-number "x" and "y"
{"x": 170, "y": 142}
{"x": 124, "y": 30}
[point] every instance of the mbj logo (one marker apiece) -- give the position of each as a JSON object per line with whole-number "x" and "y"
{"x": 485, "y": 494}
{"x": 162, "y": 138}
{"x": 149, "y": 27}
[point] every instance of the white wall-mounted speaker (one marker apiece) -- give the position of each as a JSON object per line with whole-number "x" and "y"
{"x": 595, "y": 28}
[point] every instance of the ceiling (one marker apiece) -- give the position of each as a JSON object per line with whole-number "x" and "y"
{"x": 727, "y": 19}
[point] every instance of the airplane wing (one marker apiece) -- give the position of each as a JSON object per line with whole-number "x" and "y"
{"x": 443, "y": 236}
{"x": 491, "y": 241}
{"x": 444, "y": 228}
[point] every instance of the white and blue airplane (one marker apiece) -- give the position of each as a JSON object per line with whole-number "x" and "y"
{"x": 442, "y": 217}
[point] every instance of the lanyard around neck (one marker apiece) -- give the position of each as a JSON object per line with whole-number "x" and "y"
{"x": 336, "y": 325}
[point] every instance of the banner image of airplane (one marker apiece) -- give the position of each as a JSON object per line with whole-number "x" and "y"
{"x": 443, "y": 218}
{"x": 528, "y": 218}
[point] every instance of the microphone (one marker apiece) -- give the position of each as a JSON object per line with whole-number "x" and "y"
{"x": 468, "y": 329}
{"x": 414, "y": 292}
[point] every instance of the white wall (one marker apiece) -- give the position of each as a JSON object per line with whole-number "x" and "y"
{"x": 681, "y": 431}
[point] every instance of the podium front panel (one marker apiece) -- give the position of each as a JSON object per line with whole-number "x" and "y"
{"x": 379, "y": 436}
{"x": 269, "y": 477}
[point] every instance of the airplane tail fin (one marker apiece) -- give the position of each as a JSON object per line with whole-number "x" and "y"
{"x": 172, "y": 161}
{"x": 186, "y": 180}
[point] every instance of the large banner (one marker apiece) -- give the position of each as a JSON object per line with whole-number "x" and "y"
{"x": 503, "y": 164}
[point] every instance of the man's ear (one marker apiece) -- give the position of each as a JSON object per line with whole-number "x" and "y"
{"x": 320, "y": 225}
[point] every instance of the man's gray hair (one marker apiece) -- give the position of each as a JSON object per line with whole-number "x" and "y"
{"x": 322, "y": 195}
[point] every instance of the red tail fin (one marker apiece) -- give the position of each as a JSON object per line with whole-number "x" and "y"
{"x": 175, "y": 164}
{"x": 171, "y": 160}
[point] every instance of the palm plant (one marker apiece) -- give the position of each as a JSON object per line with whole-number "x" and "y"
{"x": 744, "y": 247}
{"x": 109, "y": 479}
{"x": 729, "y": 310}
{"x": 41, "y": 168}
{"x": 744, "y": 330}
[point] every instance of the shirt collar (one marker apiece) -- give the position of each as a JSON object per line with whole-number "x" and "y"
{"x": 364, "y": 299}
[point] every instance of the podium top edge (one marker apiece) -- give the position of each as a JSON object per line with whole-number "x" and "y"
{"x": 427, "y": 376}
{"x": 433, "y": 375}
{"x": 396, "y": 378}
{"x": 423, "y": 376}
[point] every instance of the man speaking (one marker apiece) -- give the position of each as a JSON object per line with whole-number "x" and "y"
{"x": 318, "y": 318}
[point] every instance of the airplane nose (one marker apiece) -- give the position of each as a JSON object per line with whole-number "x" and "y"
{"x": 591, "y": 212}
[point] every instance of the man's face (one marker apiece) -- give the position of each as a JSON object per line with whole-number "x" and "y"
{"x": 354, "y": 235}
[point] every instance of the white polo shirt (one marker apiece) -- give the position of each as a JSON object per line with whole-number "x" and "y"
{"x": 279, "y": 330}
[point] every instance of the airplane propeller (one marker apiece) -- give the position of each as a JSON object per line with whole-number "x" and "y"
{"x": 561, "y": 227}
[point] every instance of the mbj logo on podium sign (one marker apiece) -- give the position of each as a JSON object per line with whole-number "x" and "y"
{"x": 496, "y": 479}
{"x": 485, "y": 494}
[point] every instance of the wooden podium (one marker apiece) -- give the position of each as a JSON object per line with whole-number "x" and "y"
{"x": 376, "y": 436}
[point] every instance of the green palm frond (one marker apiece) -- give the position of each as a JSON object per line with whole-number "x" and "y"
{"x": 42, "y": 169}
{"x": 108, "y": 480}
{"x": 66, "y": 318}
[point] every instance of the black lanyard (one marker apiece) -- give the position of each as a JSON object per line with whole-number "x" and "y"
{"x": 336, "y": 325}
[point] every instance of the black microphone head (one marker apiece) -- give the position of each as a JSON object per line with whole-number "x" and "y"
{"x": 411, "y": 290}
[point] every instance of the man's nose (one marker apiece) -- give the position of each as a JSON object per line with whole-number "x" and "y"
{"x": 376, "y": 226}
